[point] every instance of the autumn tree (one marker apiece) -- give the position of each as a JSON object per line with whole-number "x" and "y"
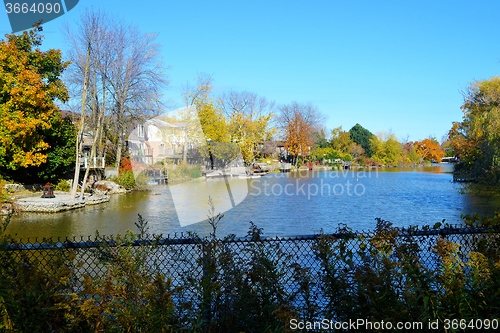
{"x": 456, "y": 143}
{"x": 477, "y": 137}
{"x": 298, "y": 122}
{"x": 249, "y": 120}
{"x": 386, "y": 148}
{"x": 30, "y": 85}
{"x": 341, "y": 140}
{"x": 221, "y": 148}
{"x": 205, "y": 126}
{"x": 429, "y": 150}
{"x": 328, "y": 153}
{"x": 61, "y": 137}
{"x": 191, "y": 96}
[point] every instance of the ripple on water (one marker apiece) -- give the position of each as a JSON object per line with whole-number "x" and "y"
{"x": 281, "y": 204}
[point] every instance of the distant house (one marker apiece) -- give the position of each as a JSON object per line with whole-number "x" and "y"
{"x": 156, "y": 140}
{"x": 269, "y": 148}
{"x": 73, "y": 116}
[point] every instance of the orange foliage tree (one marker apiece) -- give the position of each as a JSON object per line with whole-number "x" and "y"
{"x": 429, "y": 150}
{"x": 298, "y": 122}
{"x": 29, "y": 85}
{"x": 298, "y": 138}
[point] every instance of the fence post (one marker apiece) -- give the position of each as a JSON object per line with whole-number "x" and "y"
{"x": 206, "y": 284}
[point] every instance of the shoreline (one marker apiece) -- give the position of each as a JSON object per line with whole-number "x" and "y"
{"x": 36, "y": 204}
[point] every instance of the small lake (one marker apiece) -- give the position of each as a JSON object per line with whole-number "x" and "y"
{"x": 290, "y": 204}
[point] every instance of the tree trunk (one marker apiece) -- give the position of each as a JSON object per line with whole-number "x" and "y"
{"x": 119, "y": 146}
{"x": 119, "y": 143}
{"x": 99, "y": 113}
{"x": 79, "y": 139}
{"x": 186, "y": 136}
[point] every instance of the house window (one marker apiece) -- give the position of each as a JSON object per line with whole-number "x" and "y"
{"x": 140, "y": 131}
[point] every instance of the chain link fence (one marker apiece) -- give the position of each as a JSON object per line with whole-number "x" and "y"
{"x": 291, "y": 261}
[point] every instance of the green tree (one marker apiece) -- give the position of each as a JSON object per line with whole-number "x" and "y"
{"x": 341, "y": 140}
{"x": 320, "y": 140}
{"x": 29, "y": 86}
{"x": 477, "y": 137}
{"x": 362, "y": 136}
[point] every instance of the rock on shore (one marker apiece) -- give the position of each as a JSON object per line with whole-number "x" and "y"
{"x": 112, "y": 187}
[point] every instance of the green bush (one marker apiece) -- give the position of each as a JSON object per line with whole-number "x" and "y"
{"x": 392, "y": 282}
{"x": 4, "y": 195}
{"x": 35, "y": 293}
{"x": 183, "y": 171}
{"x": 63, "y": 185}
{"x": 126, "y": 179}
{"x": 195, "y": 173}
{"x": 131, "y": 296}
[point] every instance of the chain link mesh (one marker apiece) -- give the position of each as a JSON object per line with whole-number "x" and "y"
{"x": 184, "y": 255}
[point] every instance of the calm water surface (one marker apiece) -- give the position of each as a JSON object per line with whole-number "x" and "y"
{"x": 281, "y": 204}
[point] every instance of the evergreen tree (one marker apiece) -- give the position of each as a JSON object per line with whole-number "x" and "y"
{"x": 362, "y": 136}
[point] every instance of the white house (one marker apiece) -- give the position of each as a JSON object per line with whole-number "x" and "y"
{"x": 157, "y": 139}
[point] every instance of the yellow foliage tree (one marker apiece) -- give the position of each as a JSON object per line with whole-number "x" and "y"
{"x": 386, "y": 148}
{"x": 29, "y": 85}
{"x": 248, "y": 132}
{"x": 205, "y": 124}
{"x": 249, "y": 121}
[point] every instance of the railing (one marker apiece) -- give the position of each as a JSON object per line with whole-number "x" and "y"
{"x": 144, "y": 159}
{"x": 92, "y": 163}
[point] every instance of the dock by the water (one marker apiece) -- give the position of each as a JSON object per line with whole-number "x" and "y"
{"x": 231, "y": 172}
{"x": 463, "y": 177}
{"x": 260, "y": 169}
{"x": 157, "y": 175}
{"x": 285, "y": 167}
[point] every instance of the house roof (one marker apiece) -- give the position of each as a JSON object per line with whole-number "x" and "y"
{"x": 69, "y": 114}
{"x": 163, "y": 124}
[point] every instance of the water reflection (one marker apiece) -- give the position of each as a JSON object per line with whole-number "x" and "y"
{"x": 282, "y": 204}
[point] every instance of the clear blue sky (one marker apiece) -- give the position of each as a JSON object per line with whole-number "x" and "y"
{"x": 395, "y": 65}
